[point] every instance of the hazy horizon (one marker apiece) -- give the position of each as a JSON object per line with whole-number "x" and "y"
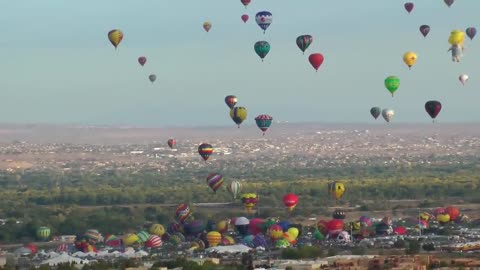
{"x": 59, "y": 67}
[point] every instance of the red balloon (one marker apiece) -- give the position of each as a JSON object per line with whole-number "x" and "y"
{"x": 245, "y": 2}
{"x": 142, "y": 60}
{"x": 32, "y": 247}
{"x": 335, "y": 226}
{"x": 322, "y": 226}
{"x": 438, "y": 211}
{"x": 316, "y": 60}
{"x": 400, "y": 230}
{"x": 409, "y": 7}
{"x": 453, "y": 212}
{"x": 290, "y": 200}
{"x": 245, "y": 18}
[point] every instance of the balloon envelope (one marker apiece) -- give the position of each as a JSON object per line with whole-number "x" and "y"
{"x": 316, "y": 60}
{"x": 433, "y": 108}
{"x": 245, "y": 18}
{"x": 392, "y": 83}
{"x": 471, "y": 32}
{"x": 409, "y": 6}
{"x": 375, "y": 112}
{"x": 262, "y": 48}
{"x": 115, "y": 36}
{"x": 207, "y": 26}
{"x": 263, "y": 19}
{"x": 410, "y": 58}
{"x": 463, "y": 78}
{"x": 388, "y": 114}
{"x": 449, "y": 2}
{"x": 425, "y": 29}
{"x": 304, "y": 41}
{"x": 152, "y": 78}
{"x": 142, "y": 60}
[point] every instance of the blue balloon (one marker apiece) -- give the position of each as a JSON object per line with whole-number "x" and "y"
{"x": 284, "y": 224}
{"x": 263, "y": 19}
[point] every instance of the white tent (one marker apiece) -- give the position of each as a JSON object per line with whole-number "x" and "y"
{"x": 64, "y": 258}
{"x": 229, "y": 249}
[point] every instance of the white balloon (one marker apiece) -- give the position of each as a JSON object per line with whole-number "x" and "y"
{"x": 463, "y": 78}
{"x": 388, "y": 114}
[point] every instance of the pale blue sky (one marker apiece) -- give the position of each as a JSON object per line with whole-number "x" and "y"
{"x": 59, "y": 67}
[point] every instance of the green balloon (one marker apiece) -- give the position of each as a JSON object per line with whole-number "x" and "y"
{"x": 262, "y": 48}
{"x": 392, "y": 83}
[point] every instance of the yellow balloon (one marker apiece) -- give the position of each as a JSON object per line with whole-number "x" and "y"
{"x": 294, "y": 232}
{"x": 115, "y": 36}
{"x": 443, "y": 218}
{"x": 410, "y": 58}
{"x": 456, "y": 37}
{"x": 238, "y": 115}
{"x": 214, "y": 238}
{"x": 336, "y": 189}
{"x": 157, "y": 229}
{"x": 130, "y": 239}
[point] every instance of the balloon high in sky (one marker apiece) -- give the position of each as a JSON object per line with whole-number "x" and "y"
{"x": 64, "y": 60}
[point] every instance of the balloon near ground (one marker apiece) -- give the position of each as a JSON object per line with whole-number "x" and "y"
{"x": 263, "y": 121}
{"x": 205, "y": 150}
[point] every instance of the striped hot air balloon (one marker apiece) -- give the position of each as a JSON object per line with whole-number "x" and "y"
{"x": 234, "y": 188}
{"x": 264, "y": 121}
{"x": 43, "y": 233}
{"x": 214, "y": 238}
{"x": 154, "y": 241}
{"x": 205, "y": 150}
{"x": 143, "y": 236}
{"x": 215, "y": 181}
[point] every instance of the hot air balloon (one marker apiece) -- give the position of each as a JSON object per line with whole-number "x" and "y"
{"x": 463, "y": 78}
{"x": 316, "y": 60}
{"x": 182, "y": 212}
{"x": 249, "y": 200}
{"x": 456, "y": 40}
{"x": 336, "y": 190}
{"x": 449, "y": 2}
{"x": 453, "y": 212}
{"x": 262, "y": 48}
{"x": 142, "y": 60}
{"x": 171, "y": 143}
{"x": 205, "y": 150}
{"x": 152, "y": 78}
{"x": 115, "y": 36}
{"x": 234, "y": 188}
{"x": 238, "y": 115}
{"x": 43, "y": 233}
{"x": 304, "y": 41}
{"x": 433, "y": 108}
{"x": 245, "y": 18}
{"x": 215, "y": 181}
{"x": 157, "y": 229}
{"x": 410, "y": 58}
{"x": 392, "y": 83}
{"x": 409, "y": 6}
{"x": 388, "y": 114}
{"x": 231, "y": 100}
{"x": 263, "y": 19}
{"x": 471, "y": 32}
{"x": 207, "y": 26}
{"x": 290, "y": 200}
{"x": 245, "y": 2}
{"x": 154, "y": 241}
{"x": 263, "y": 121}
{"x": 424, "y": 29}
{"x": 375, "y": 112}
{"x": 338, "y": 214}
{"x": 214, "y": 238}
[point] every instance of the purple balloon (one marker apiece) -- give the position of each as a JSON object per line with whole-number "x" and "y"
{"x": 409, "y": 6}
{"x": 424, "y": 29}
{"x": 471, "y": 32}
{"x": 449, "y": 2}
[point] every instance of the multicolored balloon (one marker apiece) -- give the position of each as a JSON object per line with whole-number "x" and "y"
{"x": 152, "y": 78}
{"x": 205, "y": 150}
{"x": 336, "y": 190}
{"x": 171, "y": 143}
{"x": 433, "y": 108}
{"x": 264, "y": 19}
{"x": 245, "y": 18}
{"x": 182, "y": 212}
{"x": 392, "y": 83}
{"x": 234, "y": 188}
{"x": 424, "y": 29}
{"x": 142, "y": 60}
{"x": 375, "y": 112}
{"x": 409, "y": 6}
{"x": 388, "y": 114}
{"x": 115, "y": 36}
{"x": 43, "y": 233}
{"x": 264, "y": 121}
{"x": 290, "y": 200}
{"x": 215, "y": 181}
{"x": 249, "y": 201}
{"x": 231, "y": 100}
{"x": 410, "y": 58}
{"x": 207, "y": 26}
{"x": 316, "y": 60}
{"x": 304, "y": 41}
{"x": 463, "y": 78}
{"x": 471, "y": 32}
{"x": 262, "y": 48}
{"x": 238, "y": 115}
